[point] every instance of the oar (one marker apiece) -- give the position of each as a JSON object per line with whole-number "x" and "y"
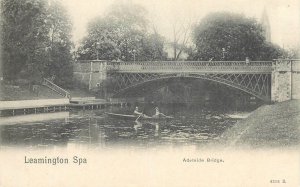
{"x": 142, "y": 113}
{"x": 166, "y": 115}
{"x": 139, "y": 116}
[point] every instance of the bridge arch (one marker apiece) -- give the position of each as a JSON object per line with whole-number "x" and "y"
{"x": 257, "y": 85}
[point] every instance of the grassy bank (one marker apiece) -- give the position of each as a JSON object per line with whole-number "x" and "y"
{"x": 13, "y": 93}
{"x": 271, "y": 126}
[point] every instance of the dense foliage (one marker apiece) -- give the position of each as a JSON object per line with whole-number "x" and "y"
{"x": 122, "y": 35}
{"x": 36, "y": 40}
{"x": 228, "y": 36}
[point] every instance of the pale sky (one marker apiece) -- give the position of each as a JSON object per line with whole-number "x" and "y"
{"x": 284, "y": 15}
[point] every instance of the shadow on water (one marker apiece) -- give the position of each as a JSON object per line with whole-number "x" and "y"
{"x": 94, "y": 129}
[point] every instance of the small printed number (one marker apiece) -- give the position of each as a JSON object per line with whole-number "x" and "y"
{"x": 278, "y": 181}
{"x": 274, "y": 181}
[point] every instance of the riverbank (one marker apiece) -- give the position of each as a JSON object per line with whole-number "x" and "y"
{"x": 270, "y": 126}
{"x": 24, "y": 92}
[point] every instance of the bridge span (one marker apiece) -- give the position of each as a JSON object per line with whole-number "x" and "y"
{"x": 192, "y": 67}
{"x": 267, "y": 80}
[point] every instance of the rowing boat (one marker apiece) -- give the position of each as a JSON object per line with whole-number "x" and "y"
{"x": 134, "y": 117}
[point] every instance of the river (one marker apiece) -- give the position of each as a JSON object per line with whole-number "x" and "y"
{"x": 95, "y": 130}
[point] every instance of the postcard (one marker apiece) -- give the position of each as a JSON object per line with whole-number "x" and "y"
{"x": 138, "y": 93}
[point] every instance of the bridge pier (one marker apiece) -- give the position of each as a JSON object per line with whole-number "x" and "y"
{"x": 285, "y": 80}
{"x": 91, "y": 74}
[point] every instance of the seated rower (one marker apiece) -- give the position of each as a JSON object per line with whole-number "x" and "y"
{"x": 158, "y": 114}
{"x": 137, "y": 113}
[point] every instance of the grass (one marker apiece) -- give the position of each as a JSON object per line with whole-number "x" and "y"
{"x": 275, "y": 125}
{"x": 12, "y": 93}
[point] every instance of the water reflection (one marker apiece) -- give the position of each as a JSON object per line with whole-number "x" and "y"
{"x": 93, "y": 128}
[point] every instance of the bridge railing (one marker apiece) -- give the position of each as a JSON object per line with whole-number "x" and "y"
{"x": 191, "y": 66}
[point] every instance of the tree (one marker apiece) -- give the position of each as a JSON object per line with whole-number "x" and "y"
{"x": 59, "y": 48}
{"x": 121, "y": 34}
{"x": 181, "y": 37}
{"x": 24, "y": 37}
{"x": 153, "y": 48}
{"x": 293, "y": 52}
{"x": 102, "y": 40}
{"x": 228, "y": 36}
{"x": 36, "y": 40}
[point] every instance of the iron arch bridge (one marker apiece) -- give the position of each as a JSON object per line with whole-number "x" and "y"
{"x": 253, "y": 78}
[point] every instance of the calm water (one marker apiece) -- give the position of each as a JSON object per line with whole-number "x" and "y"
{"x": 94, "y": 129}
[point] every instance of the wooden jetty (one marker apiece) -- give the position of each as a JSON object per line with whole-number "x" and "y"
{"x": 33, "y": 106}
{"x": 93, "y": 103}
{"x": 11, "y": 108}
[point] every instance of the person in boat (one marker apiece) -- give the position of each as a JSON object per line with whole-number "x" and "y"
{"x": 158, "y": 114}
{"x": 137, "y": 113}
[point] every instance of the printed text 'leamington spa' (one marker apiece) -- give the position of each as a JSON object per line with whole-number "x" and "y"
{"x": 55, "y": 160}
